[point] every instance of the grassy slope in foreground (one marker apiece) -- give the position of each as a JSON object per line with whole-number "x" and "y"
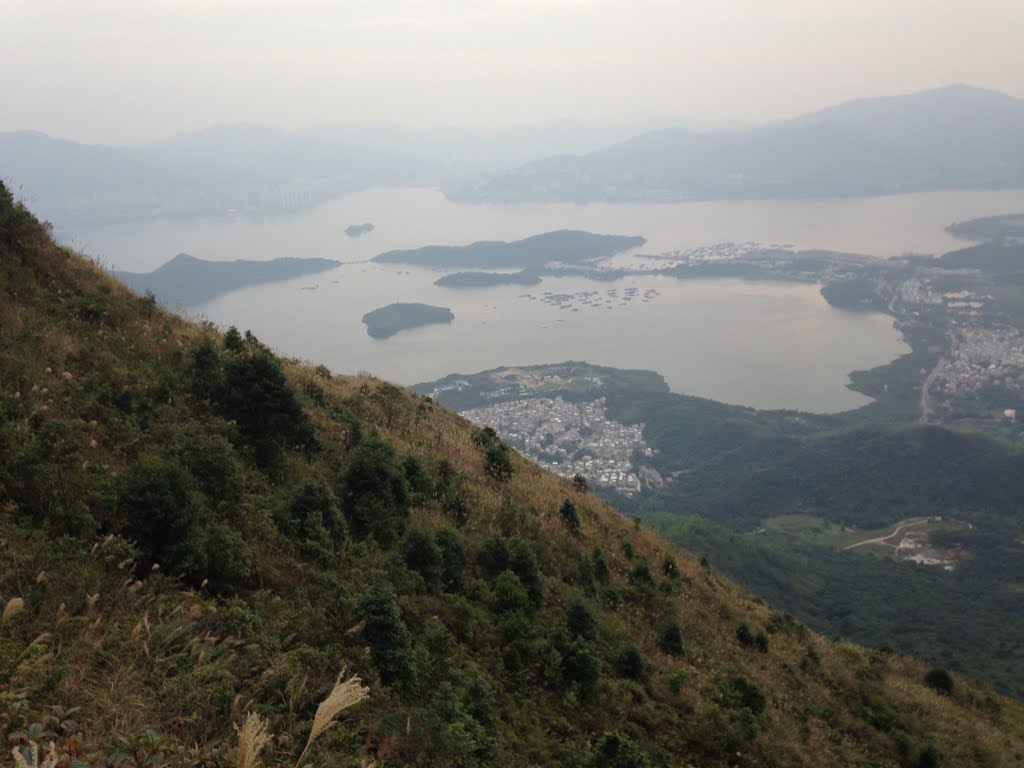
{"x": 347, "y": 520}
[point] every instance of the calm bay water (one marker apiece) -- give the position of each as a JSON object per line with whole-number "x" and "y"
{"x": 760, "y": 344}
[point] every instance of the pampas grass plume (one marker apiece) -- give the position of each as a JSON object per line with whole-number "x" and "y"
{"x": 14, "y": 606}
{"x": 345, "y": 694}
{"x": 252, "y": 737}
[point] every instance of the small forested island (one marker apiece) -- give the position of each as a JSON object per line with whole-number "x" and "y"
{"x": 385, "y": 322}
{"x": 487, "y": 279}
{"x": 189, "y": 281}
{"x": 358, "y": 230}
{"x": 566, "y": 246}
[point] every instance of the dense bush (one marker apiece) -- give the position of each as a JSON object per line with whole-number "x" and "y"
{"x": 569, "y": 516}
{"x": 616, "y": 750}
{"x": 219, "y": 558}
{"x": 632, "y": 664}
{"x": 669, "y": 568}
{"x": 580, "y": 622}
{"x": 509, "y": 594}
{"x": 748, "y": 639}
{"x": 600, "y": 566}
{"x": 247, "y": 385}
{"x": 453, "y": 559}
{"x": 312, "y": 515}
{"x": 461, "y": 731}
{"x": 670, "y": 638}
{"x": 387, "y": 637}
{"x": 158, "y": 508}
{"x": 516, "y": 555}
{"x": 417, "y": 477}
{"x": 641, "y": 575}
{"x": 376, "y": 496}
{"x": 423, "y": 555}
{"x": 581, "y": 666}
{"x": 739, "y": 692}
{"x": 212, "y": 461}
{"x": 939, "y": 680}
{"x": 516, "y": 620}
{"x": 257, "y": 397}
{"x": 497, "y": 456}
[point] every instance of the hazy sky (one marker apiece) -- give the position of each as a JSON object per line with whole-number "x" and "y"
{"x": 126, "y": 70}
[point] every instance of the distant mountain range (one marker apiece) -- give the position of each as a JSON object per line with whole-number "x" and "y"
{"x": 228, "y": 169}
{"x": 952, "y": 137}
{"x": 221, "y": 170}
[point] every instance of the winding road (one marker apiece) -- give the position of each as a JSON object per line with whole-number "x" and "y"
{"x": 926, "y": 409}
{"x": 882, "y": 539}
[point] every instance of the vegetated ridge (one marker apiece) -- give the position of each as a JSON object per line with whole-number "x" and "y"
{"x": 567, "y": 246}
{"x": 190, "y": 281}
{"x": 193, "y": 529}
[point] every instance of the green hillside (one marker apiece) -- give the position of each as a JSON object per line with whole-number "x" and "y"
{"x": 193, "y": 529}
{"x": 741, "y": 477}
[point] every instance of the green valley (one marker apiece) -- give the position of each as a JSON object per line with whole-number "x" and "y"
{"x": 776, "y": 498}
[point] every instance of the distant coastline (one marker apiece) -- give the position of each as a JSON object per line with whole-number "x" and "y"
{"x": 487, "y": 279}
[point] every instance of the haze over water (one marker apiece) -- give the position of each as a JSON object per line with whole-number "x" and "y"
{"x": 769, "y": 345}
{"x": 413, "y": 217}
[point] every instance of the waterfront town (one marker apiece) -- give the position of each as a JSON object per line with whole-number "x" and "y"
{"x": 571, "y": 439}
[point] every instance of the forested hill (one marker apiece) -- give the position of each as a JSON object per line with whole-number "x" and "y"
{"x": 193, "y": 530}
